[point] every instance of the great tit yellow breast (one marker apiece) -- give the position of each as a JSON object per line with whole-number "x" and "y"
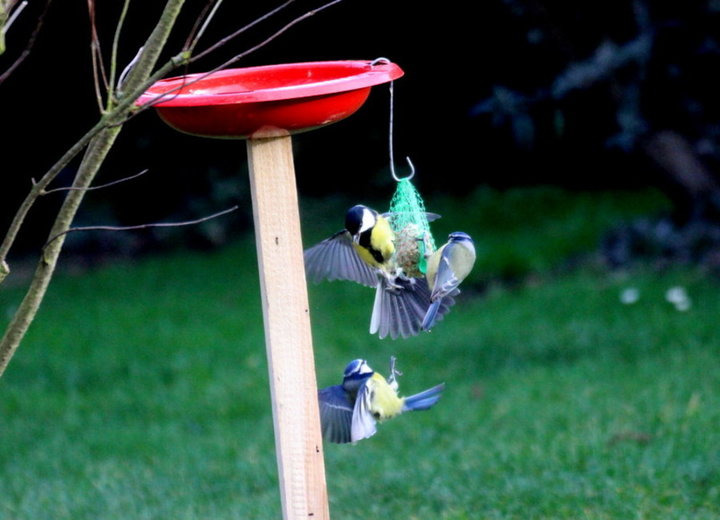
{"x": 375, "y": 245}
{"x": 384, "y": 401}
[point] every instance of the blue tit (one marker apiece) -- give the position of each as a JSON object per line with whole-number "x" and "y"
{"x": 349, "y": 412}
{"x": 364, "y": 252}
{"x": 446, "y": 269}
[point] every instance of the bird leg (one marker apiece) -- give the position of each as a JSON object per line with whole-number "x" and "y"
{"x": 390, "y": 278}
{"x": 392, "y": 381}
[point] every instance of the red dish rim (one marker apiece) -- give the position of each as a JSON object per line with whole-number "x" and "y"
{"x": 360, "y": 74}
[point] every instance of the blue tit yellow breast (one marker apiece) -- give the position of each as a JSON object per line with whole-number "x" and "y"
{"x": 384, "y": 401}
{"x": 462, "y": 260}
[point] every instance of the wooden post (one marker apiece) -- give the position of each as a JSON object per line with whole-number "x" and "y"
{"x": 288, "y": 338}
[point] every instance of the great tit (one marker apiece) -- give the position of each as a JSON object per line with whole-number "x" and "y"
{"x": 365, "y": 252}
{"x": 446, "y": 269}
{"x": 349, "y": 412}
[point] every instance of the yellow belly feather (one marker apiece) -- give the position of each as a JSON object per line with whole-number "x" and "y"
{"x": 384, "y": 403}
{"x": 381, "y": 240}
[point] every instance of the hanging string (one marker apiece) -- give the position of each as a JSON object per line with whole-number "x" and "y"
{"x": 391, "y": 130}
{"x": 408, "y": 218}
{"x": 392, "y": 153}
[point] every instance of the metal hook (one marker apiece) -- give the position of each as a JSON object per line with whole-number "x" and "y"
{"x": 390, "y": 139}
{"x": 412, "y": 171}
{"x": 382, "y": 60}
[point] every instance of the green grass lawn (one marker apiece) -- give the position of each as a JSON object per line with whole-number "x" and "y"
{"x": 141, "y": 391}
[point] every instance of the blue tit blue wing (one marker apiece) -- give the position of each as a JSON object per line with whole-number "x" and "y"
{"x": 336, "y": 414}
{"x": 363, "y": 421}
{"x": 446, "y": 282}
{"x": 335, "y": 258}
{"x": 399, "y": 311}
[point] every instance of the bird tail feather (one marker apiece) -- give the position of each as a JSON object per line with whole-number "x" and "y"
{"x": 423, "y": 400}
{"x": 431, "y": 315}
{"x": 398, "y": 310}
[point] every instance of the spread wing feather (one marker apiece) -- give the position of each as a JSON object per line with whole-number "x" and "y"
{"x": 336, "y": 413}
{"x": 335, "y": 258}
{"x": 399, "y": 312}
{"x": 363, "y": 422}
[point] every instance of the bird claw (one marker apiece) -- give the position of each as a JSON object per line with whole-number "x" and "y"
{"x": 390, "y": 278}
{"x": 392, "y": 381}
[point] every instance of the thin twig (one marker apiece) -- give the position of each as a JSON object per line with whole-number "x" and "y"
{"x": 141, "y": 226}
{"x": 192, "y": 36}
{"x": 16, "y": 12}
{"x": 96, "y": 57}
{"x": 124, "y": 104}
{"x": 273, "y": 36}
{"x": 108, "y": 121}
{"x": 31, "y": 42}
{"x": 128, "y": 69}
{"x": 114, "y": 52}
{"x": 237, "y": 57}
{"x": 101, "y": 186}
{"x": 237, "y": 33}
{"x": 95, "y": 155}
{"x": 198, "y": 21}
{"x": 184, "y": 57}
{"x": 205, "y": 25}
{"x": 39, "y": 186}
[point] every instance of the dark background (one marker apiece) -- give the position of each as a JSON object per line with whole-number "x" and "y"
{"x": 479, "y": 104}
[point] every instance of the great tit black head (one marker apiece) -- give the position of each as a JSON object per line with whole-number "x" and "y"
{"x": 360, "y": 218}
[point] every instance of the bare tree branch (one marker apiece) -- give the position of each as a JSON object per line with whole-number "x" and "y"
{"x": 96, "y": 144}
{"x": 186, "y": 58}
{"x": 31, "y": 41}
{"x": 95, "y": 154}
{"x": 39, "y": 187}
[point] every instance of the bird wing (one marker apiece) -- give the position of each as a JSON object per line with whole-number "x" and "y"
{"x": 335, "y": 258}
{"x": 336, "y": 414}
{"x": 363, "y": 422}
{"x": 399, "y": 312}
{"x": 446, "y": 282}
{"x": 431, "y": 217}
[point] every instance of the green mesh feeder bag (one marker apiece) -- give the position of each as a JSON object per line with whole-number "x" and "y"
{"x": 409, "y": 221}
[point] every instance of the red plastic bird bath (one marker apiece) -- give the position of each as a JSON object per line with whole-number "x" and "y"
{"x": 266, "y": 105}
{"x": 269, "y": 101}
